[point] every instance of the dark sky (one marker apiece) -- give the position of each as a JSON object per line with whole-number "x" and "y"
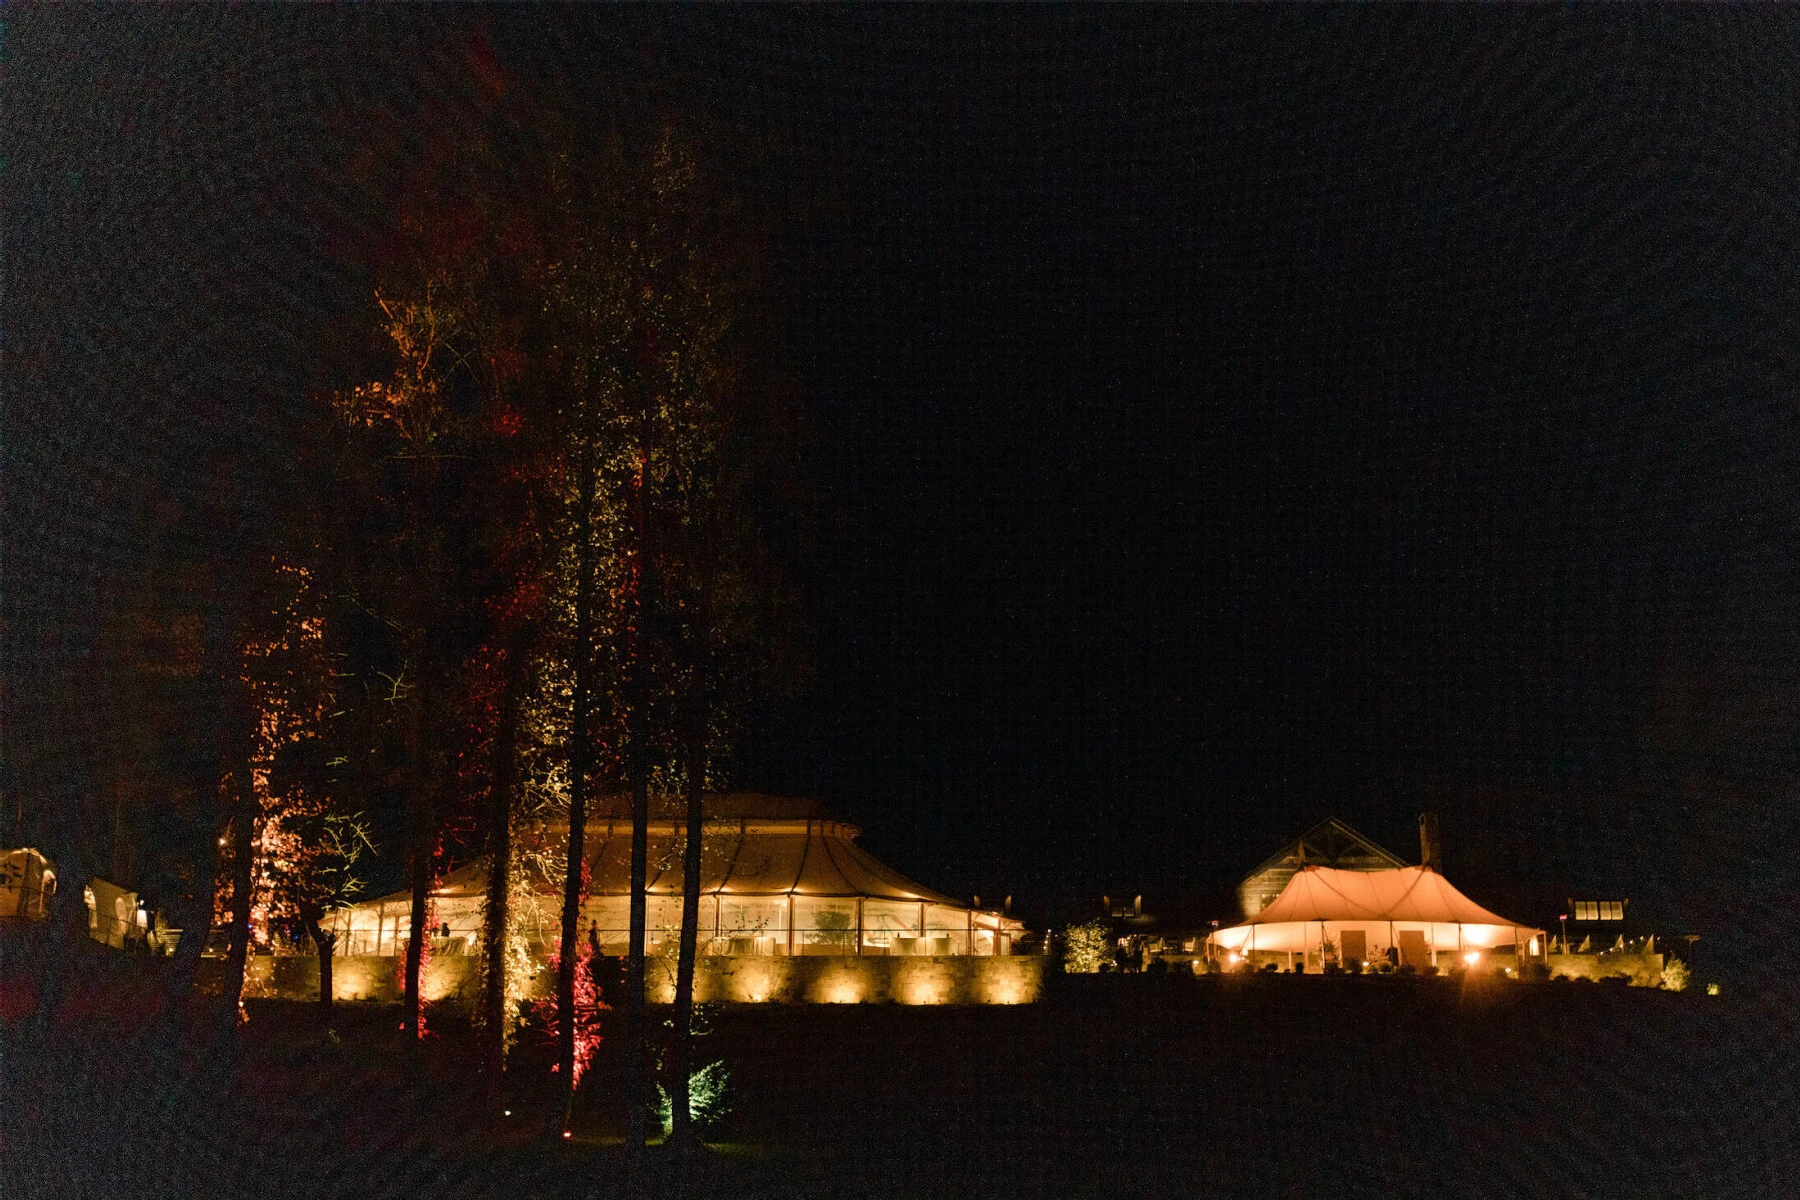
{"x": 1231, "y": 417}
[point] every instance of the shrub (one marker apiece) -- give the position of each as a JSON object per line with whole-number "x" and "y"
{"x": 709, "y": 1098}
{"x": 1087, "y": 948}
{"x": 1675, "y": 975}
{"x": 1428, "y": 970}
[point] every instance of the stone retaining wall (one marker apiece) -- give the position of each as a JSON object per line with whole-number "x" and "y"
{"x": 454, "y": 979}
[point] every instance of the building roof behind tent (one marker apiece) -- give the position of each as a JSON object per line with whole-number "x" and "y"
{"x": 1327, "y": 840}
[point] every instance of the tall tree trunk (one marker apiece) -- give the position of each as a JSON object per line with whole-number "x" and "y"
{"x": 580, "y": 766}
{"x": 680, "y": 1103}
{"x": 194, "y": 908}
{"x": 636, "y": 1058}
{"x": 638, "y": 694}
{"x": 326, "y": 944}
{"x": 243, "y": 865}
{"x": 193, "y": 913}
{"x": 69, "y": 916}
{"x": 420, "y": 805}
{"x": 503, "y": 774}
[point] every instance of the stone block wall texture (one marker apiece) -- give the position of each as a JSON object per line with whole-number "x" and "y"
{"x": 455, "y": 980}
{"x": 353, "y": 977}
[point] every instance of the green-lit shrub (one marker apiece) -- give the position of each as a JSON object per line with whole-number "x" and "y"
{"x": 709, "y": 1098}
{"x": 1675, "y": 975}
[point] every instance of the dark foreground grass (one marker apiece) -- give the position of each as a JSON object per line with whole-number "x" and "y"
{"x": 1113, "y": 1086}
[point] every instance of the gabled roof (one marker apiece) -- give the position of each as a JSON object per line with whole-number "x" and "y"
{"x": 1326, "y": 842}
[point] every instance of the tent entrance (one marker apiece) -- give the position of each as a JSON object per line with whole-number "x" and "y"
{"x": 1353, "y": 944}
{"x": 1412, "y": 949}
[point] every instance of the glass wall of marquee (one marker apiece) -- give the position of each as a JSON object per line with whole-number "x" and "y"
{"x": 770, "y": 886}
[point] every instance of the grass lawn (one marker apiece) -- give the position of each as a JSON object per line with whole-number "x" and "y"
{"x": 1112, "y": 1086}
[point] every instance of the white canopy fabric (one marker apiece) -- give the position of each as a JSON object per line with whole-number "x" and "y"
{"x": 752, "y": 857}
{"x": 766, "y": 852}
{"x": 1322, "y": 902}
{"x": 113, "y": 917}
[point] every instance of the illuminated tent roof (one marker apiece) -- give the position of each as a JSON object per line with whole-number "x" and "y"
{"x": 753, "y": 846}
{"x": 1404, "y": 898}
{"x": 752, "y": 856}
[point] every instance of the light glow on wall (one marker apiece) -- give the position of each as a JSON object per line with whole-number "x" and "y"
{"x": 754, "y": 986}
{"x": 348, "y": 982}
{"x": 1005, "y": 991}
{"x": 923, "y": 992}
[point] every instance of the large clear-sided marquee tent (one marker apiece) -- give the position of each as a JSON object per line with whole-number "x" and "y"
{"x": 1325, "y": 915}
{"x": 778, "y": 877}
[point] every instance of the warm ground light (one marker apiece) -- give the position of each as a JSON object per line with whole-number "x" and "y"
{"x": 1112, "y": 1086}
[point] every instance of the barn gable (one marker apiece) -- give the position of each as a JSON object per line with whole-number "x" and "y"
{"x": 1330, "y": 843}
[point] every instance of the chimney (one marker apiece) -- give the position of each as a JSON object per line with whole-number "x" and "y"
{"x": 1137, "y": 907}
{"x": 1006, "y": 906}
{"x": 1430, "y": 852}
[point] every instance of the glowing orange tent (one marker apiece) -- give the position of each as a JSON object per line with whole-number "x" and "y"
{"x": 1360, "y": 914}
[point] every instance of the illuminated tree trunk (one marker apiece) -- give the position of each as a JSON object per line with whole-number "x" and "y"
{"x": 504, "y": 785}
{"x": 636, "y": 1058}
{"x": 636, "y": 1094}
{"x": 419, "y": 786}
{"x": 580, "y": 766}
{"x": 681, "y": 1111}
{"x": 243, "y": 851}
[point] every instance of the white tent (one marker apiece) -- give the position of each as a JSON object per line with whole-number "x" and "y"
{"x": 27, "y": 882}
{"x": 114, "y": 918}
{"x": 777, "y": 878}
{"x": 1360, "y": 914}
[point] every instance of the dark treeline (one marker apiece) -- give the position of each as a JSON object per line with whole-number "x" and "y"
{"x": 522, "y": 540}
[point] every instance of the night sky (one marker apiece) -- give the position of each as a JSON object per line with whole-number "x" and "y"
{"x": 1226, "y": 418}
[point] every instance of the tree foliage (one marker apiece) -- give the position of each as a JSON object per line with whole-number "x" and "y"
{"x": 1087, "y": 948}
